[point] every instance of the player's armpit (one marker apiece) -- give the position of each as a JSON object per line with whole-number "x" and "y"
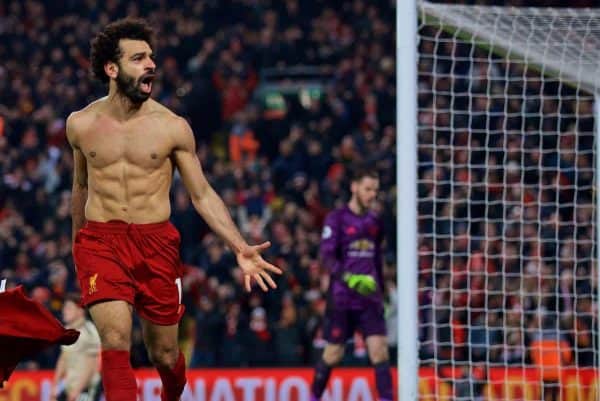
{"x": 79, "y": 168}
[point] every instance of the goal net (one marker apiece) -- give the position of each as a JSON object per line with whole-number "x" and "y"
{"x": 507, "y": 203}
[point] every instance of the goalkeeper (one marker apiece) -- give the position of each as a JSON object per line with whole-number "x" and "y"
{"x": 350, "y": 250}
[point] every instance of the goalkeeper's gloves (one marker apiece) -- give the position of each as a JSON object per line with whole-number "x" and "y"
{"x": 364, "y": 284}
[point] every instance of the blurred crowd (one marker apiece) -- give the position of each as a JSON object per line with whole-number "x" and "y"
{"x": 279, "y": 172}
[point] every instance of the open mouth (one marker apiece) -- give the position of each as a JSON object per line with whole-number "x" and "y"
{"x": 146, "y": 83}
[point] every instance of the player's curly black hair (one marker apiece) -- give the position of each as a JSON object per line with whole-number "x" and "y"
{"x": 105, "y": 46}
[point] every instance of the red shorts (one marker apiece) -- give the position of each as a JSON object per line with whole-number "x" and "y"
{"x": 136, "y": 263}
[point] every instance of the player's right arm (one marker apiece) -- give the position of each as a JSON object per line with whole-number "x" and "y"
{"x": 80, "y": 187}
{"x": 330, "y": 245}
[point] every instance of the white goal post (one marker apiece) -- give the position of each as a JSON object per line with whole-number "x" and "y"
{"x": 498, "y": 206}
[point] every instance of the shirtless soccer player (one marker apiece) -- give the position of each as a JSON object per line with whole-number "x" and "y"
{"x": 126, "y": 147}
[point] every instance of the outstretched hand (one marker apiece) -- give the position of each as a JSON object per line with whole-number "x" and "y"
{"x": 255, "y": 267}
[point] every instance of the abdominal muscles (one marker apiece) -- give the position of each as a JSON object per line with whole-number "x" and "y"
{"x": 124, "y": 191}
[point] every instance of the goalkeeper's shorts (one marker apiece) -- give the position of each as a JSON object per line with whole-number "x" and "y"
{"x": 340, "y": 324}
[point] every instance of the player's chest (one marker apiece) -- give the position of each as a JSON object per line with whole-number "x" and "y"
{"x": 144, "y": 148}
{"x": 356, "y": 229}
{"x": 359, "y": 240}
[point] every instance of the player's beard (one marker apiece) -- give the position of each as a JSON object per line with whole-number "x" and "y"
{"x": 360, "y": 201}
{"x": 130, "y": 88}
{"x": 365, "y": 203}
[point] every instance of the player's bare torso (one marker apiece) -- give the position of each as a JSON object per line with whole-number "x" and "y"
{"x": 129, "y": 163}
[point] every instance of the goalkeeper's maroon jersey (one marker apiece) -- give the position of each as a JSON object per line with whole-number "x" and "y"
{"x": 351, "y": 243}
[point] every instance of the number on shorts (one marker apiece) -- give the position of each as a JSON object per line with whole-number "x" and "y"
{"x": 178, "y": 284}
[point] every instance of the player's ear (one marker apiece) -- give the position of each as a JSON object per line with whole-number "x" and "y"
{"x": 111, "y": 69}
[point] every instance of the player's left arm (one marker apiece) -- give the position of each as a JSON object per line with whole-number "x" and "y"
{"x": 379, "y": 251}
{"x": 329, "y": 249}
{"x": 212, "y": 209}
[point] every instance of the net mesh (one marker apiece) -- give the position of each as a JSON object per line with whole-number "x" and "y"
{"x": 506, "y": 186}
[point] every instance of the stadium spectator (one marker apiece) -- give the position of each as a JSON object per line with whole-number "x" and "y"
{"x": 550, "y": 352}
{"x": 78, "y": 367}
{"x": 288, "y": 336}
{"x": 208, "y": 329}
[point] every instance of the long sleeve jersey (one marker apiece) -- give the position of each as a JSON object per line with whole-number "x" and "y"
{"x": 351, "y": 243}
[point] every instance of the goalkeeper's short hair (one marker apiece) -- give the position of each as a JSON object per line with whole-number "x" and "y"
{"x": 359, "y": 172}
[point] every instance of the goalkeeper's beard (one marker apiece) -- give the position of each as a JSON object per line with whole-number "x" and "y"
{"x": 364, "y": 206}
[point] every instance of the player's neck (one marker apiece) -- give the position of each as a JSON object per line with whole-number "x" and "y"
{"x": 355, "y": 207}
{"x": 121, "y": 107}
